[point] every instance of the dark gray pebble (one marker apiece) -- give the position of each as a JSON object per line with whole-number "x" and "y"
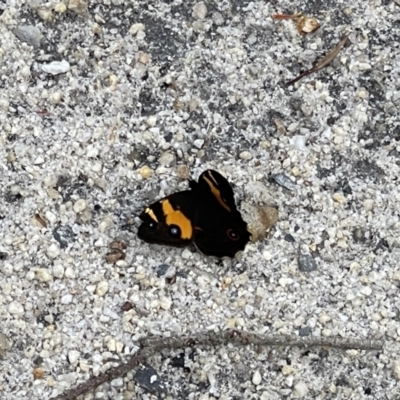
{"x": 63, "y": 235}
{"x": 307, "y": 263}
{"x": 148, "y": 378}
{"x": 284, "y": 181}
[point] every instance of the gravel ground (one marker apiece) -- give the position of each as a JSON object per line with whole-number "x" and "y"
{"x": 144, "y": 94}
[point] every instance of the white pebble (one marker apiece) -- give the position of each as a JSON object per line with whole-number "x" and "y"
{"x": 256, "y": 378}
{"x": 70, "y": 273}
{"x": 102, "y": 288}
{"x": 186, "y": 254}
{"x": 366, "y": 291}
{"x": 245, "y": 155}
{"x": 56, "y": 67}
{"x": 299, "y": 142}
{"x": 55, "y": 97}
{"x": 15, "y": 308}
{"x": 300, "y": 389}
{"x": 80, "y": 205}
{"x": 199, "y": 11}
{"x": 44, "y": 275}
{"x": 66, "y": 299}
{"x": 368, "y": 204}
{"x": 73, "y": 356}
{"x": 135, "y": 28}
{"x": 53, "y": 250}
{"x": 396, "y": 370}
{"x": 58, "y": 271}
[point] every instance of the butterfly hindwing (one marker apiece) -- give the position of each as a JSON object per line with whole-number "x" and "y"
{"x": 219, "y": 228}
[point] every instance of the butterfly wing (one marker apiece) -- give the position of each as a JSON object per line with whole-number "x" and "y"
{"x": 219, "y": 227}
{"x": 169, "y": 220}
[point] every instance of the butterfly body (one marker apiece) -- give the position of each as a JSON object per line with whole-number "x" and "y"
{"x": 206, "y": 216}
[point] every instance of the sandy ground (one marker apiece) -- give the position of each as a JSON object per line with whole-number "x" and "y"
{"x": 144, "y": 95}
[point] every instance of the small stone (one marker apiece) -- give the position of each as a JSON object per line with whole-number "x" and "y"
{"x": 368, "y": 205}
{"x": 105, "y": 224}
{"x": 167, "y": 159}
{"x": 58, "y": 271}
{"x": 15, "y": 308}
{"x": 144, "y": 58}
{"x": 256, "y": 378}
{"x": 300, "y": 389}
{"x": 284, "y": 181}
{"x": 79, "y": 7}
{"x": 148, "y": 378}
{"x": 60, "y": 7}
{"x": 307, "y": 263}
{"x": 396, "y": 370}
{"x": 64, "y": 235}
{"x": 186, "y": 254}
{"x": 306, "y": 331}
{"x": 287, "y": 370}
{"x": 299, "y": 142}
{"x": 66, "y": 299}
{"x": 53, "y": 250}
{"x": 45, "y": 14}
{"x": 199, "y": 11}
{"x": 135, "y": 28}
{"x": 366, "y": 291}
{"x": 199, "y": 143}
{"x": 246, "y": 155}
{"x": 70, "y": 273}
{"x": 102, "y": 288}
{"x": 162, "y": 269}
{"x": 80, "y": 205}
{"x": 324, "y": 318}
{"x": 145, "y": 172}
{"x": 29, "y": 34}
{"x": 44, "y": 275}
{"x": 4, "y": 344}
{"x": 73, "y": 356}
{"x": 56, "y": 67}
{"x": 337, "y": 198}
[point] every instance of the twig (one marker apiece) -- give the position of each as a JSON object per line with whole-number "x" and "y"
{"x": 154, "y": 344}
{"x": 324, "y": 62}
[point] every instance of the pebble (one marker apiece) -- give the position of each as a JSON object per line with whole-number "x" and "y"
{"x": 60, "y": 7}
{"x": 167, "y": 159}
{"x": 66, "y": 299}
{"x": 299, "y": 142}
{"x": 44, "y": 275}
{"x": 368, "y": 204}
{"x": 307, "y": 263}
{"x": 29, "y": 34}
{"x": 199, "y": 11}
{"x": 70, "y": 273}
{"x": 337, "y": 198}
{"x": 284, "y": 181}
{"x": 80, "y": 205}
{"x": 102, "y": 288}
{"x": 64, "y": 235}
{"x": 287, "y": 370}
{"x": 246, "y": 155}
{"x": 53, "y": 251}
{"x": 15, "y": 308}
{"x": 396, "y": 370}
{"x": 300, "y": 389}
{"x": 135, "y": 28}
{"x": 4, "y": 344}
{"x": 148, "y": 378}
{"x": 256, "y": 378}
{"x": 145, "y": 172}
{"x": 58, "y": 271}
{"x": 45, "y": 14}
{"x": 79, "y": 7}
{"x": 56, "y": 67}
{"x": 73, "y": 356}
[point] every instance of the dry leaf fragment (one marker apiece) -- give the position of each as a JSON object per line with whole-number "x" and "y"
{"x": 324, "y": 62}
{"x": 287, "y": 16}
{"x": 118, "y": 244}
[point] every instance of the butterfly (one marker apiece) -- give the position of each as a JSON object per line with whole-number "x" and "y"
{"x": 205, "y": 215}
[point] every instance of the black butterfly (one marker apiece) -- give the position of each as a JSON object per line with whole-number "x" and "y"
{"x": 205, "y": 215}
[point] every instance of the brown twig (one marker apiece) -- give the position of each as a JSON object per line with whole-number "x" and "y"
{"x": 154, "y": 344}
{"x": 324, "y": 62}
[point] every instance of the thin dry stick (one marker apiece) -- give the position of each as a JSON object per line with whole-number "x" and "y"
{"x": 324, "y": 62}
{"x": 154, "y": 344}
